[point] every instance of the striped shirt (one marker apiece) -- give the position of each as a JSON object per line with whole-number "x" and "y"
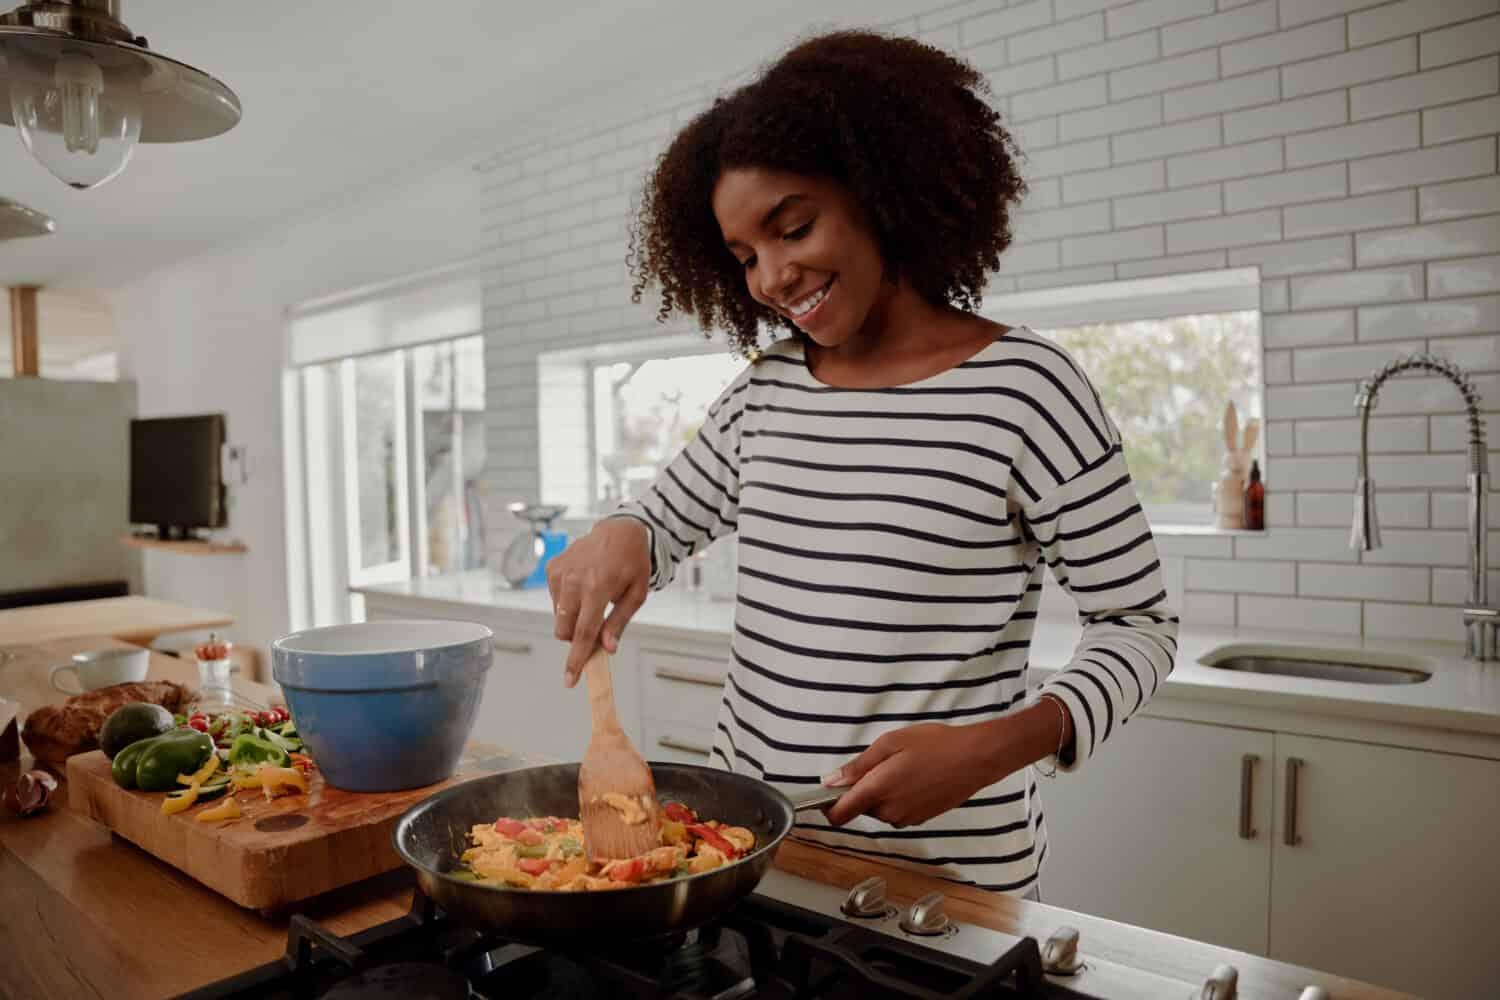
{"x": 890, "y": 553}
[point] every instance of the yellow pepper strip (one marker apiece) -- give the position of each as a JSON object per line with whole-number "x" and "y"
{"x": 203, "y": 773}
{"x": 179, "y": 800}
{"x": 274, "y": 779}
{"x": 228, "y": 809}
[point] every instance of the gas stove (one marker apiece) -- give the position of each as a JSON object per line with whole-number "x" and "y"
{"x": 791, "y": 938}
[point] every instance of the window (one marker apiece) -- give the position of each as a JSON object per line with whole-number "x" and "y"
{"x": 385, "y": 446}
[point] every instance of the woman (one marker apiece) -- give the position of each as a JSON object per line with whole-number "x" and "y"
{"x": 898, "y": 468}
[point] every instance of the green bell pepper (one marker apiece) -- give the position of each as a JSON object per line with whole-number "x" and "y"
{"x": 122, "y": 768}
{"x": 250, "y": 750}
{"x": 158, "y": 764}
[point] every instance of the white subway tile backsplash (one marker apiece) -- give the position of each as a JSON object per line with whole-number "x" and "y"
{"x": 1118, "y": 117}
{"x": 1305, "y": 114}
{"x": 1281, "y": 511}
{"x": 1420, "y": 90}
{"x": 1419, "y": 548}
{"x": 1409, "y": 394}
{"x": 1236, "y": 576}
{"x": 1077, "y": 8}
{"x": 1305, "y": 401}
{"x": 1423, "y": 166}
{"x": 1245, "y": 91}
{"x": 1164, "y": 74}
{"x": 1122, "y": 244}
{"x": 1059, "y": 37}
{"x": 1257, "y": 18}
{"x": 1471, "y": 276}
{"x": 1280, "y": 438}
{"x": 1035, "y": 134}
{"x": 1408, "y": 17}
{"x": 1362, "y": 582}
{"x": 1208, "y": 609}
{"x": 1451, "y": 433}
{"x": 1392, "y": 284}
{"x": 1222, "y": 164}
{"x": 1301, "y": 11}
{"x": 1378, "y": 62}
{"x": 1457, "y": 199}
{"x": 1022, "y": 77}
{"x": 1410, "y": 319}
{"x": 1336, "y": 510}
{"x": 1346, "y": 215}
{"x": 1001, "y": 23}
{"x": 1323, "y": 473}
{"x": 1299, "y": 614}
{"x": 1144, "y": 144}
{"x": 1460, "y": 121}
{"x": 1203, "y": 546}
{"x": 1145, "y": 14}
{"x": 1285, "y": 187}
{"x": 1321, "y": 544}
{"x": 1341, "y": 437}
{"x": 1330, "y": 253}
{"x": 1090, "y": 217}
{"x": 1131, "y": 50}
{"x": 1307, "y": 42}
{"x": 1275, "y": 296}
{"x": 1224, "y": 231}
{"x": 1088, "y": 92}
{"x": 1451, "y": 587}
{"x": 1087, "y": 185}
{"x": 1168, "y": 206}
{"x": 1451, "y": 510}
{"x": 1208, "y": 260}
{"x": 1418, "y": 471}
{"x": 1026, "y": 257}
{"x": 1460, "y": 42}
{"x": 1329, "y": 364}
{"x": 1336, "y": 326}
{"x": 1459, "y": 238}
{"x": 1276, "y": 367}
{"x": 1414, "y": 621}
{"x": 1348, "y": 142}
{"x": 1067, "y": 276}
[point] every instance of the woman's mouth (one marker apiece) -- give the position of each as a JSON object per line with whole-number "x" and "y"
{"x": 806, "y": 309}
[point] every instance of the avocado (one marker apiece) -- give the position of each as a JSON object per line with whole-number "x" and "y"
{"x": 133, "y": 721}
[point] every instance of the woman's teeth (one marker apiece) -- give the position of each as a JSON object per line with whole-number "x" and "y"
{"x": 807, "y": 305}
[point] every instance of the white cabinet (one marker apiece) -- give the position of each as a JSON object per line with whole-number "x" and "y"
{"x": 1394, "y": 877}
{"x": 1150, "y": 832}
{"x": 681, "y": 687}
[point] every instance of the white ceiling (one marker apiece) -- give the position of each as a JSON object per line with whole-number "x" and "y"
{"x": 342, "y": 98}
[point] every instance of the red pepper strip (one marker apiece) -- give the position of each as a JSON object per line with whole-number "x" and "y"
{"x": 533, "y": 866}
{"x": 714, "y": 839}
{"x": 678, "y": 813}
{"x": 528, "y": 836}
{"x": 628, "y": 871}
{"x": 509, "y": 827}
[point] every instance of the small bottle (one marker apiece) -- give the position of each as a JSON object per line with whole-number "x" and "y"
{"x": 1255, "y": 500}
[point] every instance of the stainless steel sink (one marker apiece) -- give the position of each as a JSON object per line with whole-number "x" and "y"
{"x": 1323, "y": 665}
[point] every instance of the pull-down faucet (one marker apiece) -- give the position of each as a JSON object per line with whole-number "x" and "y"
{"x": 1481, "y": 622}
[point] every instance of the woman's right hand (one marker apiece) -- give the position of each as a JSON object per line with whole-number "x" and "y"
{"x": 609, "y": 565}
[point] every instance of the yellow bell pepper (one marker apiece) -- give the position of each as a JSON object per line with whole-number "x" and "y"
{"x": 177, "y": 801}
{"x": 203, "y": 773}
{"x": 228, "y": 809}
{"x": 272, "y": 780}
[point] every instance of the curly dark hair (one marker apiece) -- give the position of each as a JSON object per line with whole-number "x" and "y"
{"x": 904, "y": 126}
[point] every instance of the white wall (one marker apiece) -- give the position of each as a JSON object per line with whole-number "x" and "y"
{"x": 208, "y": 335}
{"x": 1347, "y": 147}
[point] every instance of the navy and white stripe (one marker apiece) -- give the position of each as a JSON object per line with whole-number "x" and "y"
{"x": 891, "y": 551}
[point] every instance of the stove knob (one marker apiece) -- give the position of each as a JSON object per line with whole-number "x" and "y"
{"x": 1221, "y": 985}
{"x": 1314, "y": 993}
{"x": 1060, "y": 953}
{"x": 867, "y": 899}
{"x": 926, "y": 917}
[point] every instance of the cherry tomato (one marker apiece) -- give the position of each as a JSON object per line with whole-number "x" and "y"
{"x": 198, "y": 724}
{"x": 509, "y": 827}
{"x": 533, "y": 866}
{"x": 281, "y": 713}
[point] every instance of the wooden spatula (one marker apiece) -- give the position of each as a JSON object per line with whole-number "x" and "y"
{"x": 613, "y": 779}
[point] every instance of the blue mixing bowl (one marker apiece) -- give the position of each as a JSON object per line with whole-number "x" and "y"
{"x": 386, "y": 705}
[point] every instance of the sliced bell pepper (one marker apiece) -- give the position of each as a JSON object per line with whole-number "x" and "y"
{"x": 533, "y": 866}
{"x": 271, "y": 779}
{"x": 177, "y": 801}
{"x": 198, "y": 777}
{"x": 228, "y": 809}
{"x": 713, "y": 838}
{"x": 678, "y": 813}
{"x": 628, "y": 871}
{"x": 248, "y": 750}
{"x": 509, "y": 827}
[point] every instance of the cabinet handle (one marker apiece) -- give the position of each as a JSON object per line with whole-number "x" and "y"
{"x": 1293, "y": 766}
{"x": 1247, "y": 784}
{"x": 707, "y": 680}
{"x": 524, "y": 648}
{"x": 687, "y": 746}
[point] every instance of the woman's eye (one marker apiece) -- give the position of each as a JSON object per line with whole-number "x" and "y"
{"x": 748, "y": 262}
{"x": 800, "y": 231}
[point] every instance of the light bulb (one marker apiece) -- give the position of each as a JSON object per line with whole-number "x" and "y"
{"x": 78, "y": 120}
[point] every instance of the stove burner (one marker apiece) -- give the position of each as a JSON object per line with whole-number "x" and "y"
{"x": 406, "y": 980}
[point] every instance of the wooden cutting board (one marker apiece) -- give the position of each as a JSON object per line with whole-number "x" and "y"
{"x": 280, "y": 851}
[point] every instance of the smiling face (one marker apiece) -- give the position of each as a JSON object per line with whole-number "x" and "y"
{"x": 806, "y": 249}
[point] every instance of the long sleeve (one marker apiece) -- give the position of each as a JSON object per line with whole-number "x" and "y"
{"x": 1094, "y": 536}
{"x": 696, "y": 498}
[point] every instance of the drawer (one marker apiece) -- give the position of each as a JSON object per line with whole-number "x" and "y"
{"x": 681, "y": 687}
{"x": 678, "y": 742}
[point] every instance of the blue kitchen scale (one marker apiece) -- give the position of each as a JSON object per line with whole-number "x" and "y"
{"x": 524, "y": 562}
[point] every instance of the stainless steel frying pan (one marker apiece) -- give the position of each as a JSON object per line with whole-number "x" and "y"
{"x": 433, "y": 834}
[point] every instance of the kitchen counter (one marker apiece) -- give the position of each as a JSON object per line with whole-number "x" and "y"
{"x": 1461, "y": 696}
{"x": 87, "y": 914}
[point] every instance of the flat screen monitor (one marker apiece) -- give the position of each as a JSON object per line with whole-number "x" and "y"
{"x": 176, "y": 482}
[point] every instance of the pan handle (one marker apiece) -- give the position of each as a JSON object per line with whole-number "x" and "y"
{"x": 820, "y": 799}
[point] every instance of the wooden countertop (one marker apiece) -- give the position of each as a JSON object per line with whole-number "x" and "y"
{"x": 135, "y": 619}
{"x": 91, "y": 915}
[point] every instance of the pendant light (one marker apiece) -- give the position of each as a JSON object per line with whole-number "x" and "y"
{"x": 16, "y": 221}
{"x": 82, "y": 90}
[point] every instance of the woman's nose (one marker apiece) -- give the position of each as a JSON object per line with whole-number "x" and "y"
{"x": 780, "y": 277}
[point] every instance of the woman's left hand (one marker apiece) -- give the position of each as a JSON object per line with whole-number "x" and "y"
{"x": 910, "y": 775}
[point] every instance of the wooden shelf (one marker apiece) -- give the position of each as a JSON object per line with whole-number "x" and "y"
{"x": 182, "y": 545}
